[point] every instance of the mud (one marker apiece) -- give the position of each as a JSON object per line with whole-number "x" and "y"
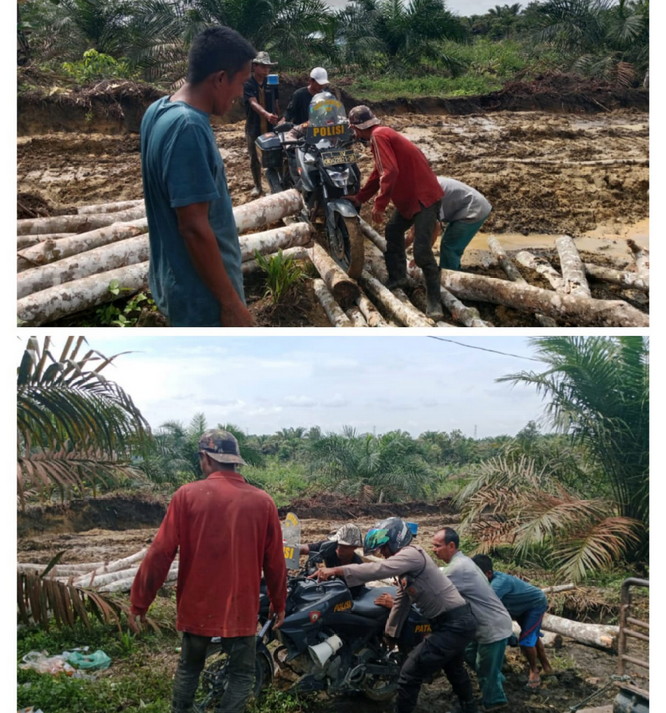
{"x": 546, "y": 173}
{"x": 581, "y": 671}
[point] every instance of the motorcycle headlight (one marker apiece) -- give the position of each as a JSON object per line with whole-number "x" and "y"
{"x": 339, "y": 178}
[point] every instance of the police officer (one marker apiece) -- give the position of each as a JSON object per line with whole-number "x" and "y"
{"x": 420, "y": 583}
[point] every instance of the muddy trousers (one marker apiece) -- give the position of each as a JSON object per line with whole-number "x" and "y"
{"x": 242, "y": 651}
{"x": 424, "y": 224}
{"x": 443, "y": 649}
{"x": 255, "y": 165}
{"x": 487, "y": 660}
{"x": 455, "y": 239}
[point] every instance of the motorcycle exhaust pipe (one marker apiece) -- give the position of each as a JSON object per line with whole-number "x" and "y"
{"x": 321, "y": 653}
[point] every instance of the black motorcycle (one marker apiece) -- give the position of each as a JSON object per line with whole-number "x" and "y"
{"x": 320, "y": 162}
{"x": 328, "y": 642}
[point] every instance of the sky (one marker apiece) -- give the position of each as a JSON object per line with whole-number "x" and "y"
{"x": 374, "y": 384}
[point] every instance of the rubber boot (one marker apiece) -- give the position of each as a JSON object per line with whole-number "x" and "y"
{"x": 433, "y": 295}
{"x": 397, "y": 271}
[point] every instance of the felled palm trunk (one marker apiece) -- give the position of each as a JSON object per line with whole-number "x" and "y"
{"x": 467, "y": 316}
{"x": 335, "y": 313}
{"x": 599, "y": 635}
{"x": 52, "y": 250}
{"x": 92, "y": 262}
{"x": 356, "y": 316}
{"x": 580, "y": 310}
{"x": 573, "y": 271}
{"x": 373, "y": 235}
{"x": 270, "y": 241}
{"x": 342, "y": 287}
{"x": 55, "y": 302}
{"x": 618, "y": 277}
{"x": 77, "y": 223}
{"x": 405, "y": 314}
{"x": 371, "y": 314}
{"x": 27, "y": 241}
{"x": 514, "y": 275}
{"x": 543, "y": 267}
{"x": 114, "y": 207}
{"x": 267, "y": 210}
{"x": 418, "y": 300}
{"x": 374, "y": 261}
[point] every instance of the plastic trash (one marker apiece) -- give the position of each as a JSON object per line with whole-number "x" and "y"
{"x": 96, "y": 660}
{"x": 41, "y": 662}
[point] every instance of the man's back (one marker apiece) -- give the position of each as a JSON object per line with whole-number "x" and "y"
{"x": 517, "y": 595}
{"x": 181, "y": 165}
{"x": 493, "y": 620}
{"x": 227, "y": 531}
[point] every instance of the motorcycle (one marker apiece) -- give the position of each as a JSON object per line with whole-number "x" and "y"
{"x": 321, "y": 165}
{"x": 328, "y": 641}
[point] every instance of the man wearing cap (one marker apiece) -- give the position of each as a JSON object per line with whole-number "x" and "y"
{"x": 226, "y": 532}
{"x": 299, "y": 106}
{"x": 403, "y": 176}
{"x": 338, "y": 550}
{"x": 195, "y": 272}
{"x": 262, "y": 109}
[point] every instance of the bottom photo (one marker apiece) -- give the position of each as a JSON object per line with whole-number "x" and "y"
{"x": 287, "y": 524}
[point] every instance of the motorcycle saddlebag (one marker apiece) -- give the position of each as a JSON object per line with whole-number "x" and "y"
{"x": 270, "y": 150}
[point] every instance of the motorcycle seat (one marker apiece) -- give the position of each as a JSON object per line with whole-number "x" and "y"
{"x": 364, "y": 604}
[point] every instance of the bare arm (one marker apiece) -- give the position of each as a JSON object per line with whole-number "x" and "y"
{"x": 202, "y": 247}
{"x": 272, "y": 118}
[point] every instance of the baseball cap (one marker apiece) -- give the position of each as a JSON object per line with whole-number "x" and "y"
{"x": 362, "y": 118}
{"x": 221, "y": 446}
{"x": 320, "y": 75}
{"x": 264, "y": 58}
{"x": 348, "y": 535}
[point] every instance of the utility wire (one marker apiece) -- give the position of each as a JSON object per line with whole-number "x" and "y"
{"x": 484, "y": 349}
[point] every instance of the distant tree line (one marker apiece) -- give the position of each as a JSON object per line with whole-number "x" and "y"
{"x": 148, "y": 39}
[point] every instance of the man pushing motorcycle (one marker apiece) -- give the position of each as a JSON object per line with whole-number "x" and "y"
{"x": 423, "y": 584}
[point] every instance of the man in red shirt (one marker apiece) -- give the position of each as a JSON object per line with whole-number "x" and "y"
{"x": 227, "y": 532}
{"x": 403, "y": 176}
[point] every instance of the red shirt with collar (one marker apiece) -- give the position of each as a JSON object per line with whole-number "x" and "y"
{"x": 227, "y": 532}
{"x": 402, "y": 175}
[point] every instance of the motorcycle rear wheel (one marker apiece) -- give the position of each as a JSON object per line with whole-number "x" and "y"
{"x": 215, "y": 677}
{"x": 346, "y": 245}
{"x": 380, "y": 689}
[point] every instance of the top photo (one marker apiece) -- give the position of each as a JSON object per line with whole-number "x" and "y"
{"x": 374, "y": 163}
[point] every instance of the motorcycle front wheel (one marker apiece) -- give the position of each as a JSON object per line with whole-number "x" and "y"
{"x": 215, "y": 677}
{"x": 345, "y": 244}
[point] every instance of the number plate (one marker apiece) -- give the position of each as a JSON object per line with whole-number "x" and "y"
{"x": 336, "y": 156}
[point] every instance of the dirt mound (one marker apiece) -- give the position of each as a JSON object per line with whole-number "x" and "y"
{"x": 330, "y": 506}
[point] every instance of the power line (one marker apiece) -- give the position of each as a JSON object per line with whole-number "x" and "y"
{"x": 483, "y": 349}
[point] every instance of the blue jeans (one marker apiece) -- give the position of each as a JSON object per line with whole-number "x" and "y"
{"x": 487, "y": 660}
{"x": 242, "y": 651}
{"x": 455, "y": 239}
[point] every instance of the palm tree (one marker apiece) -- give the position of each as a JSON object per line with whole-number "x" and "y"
{"x": 371, "y": 467}
{"x": 75, "y": 428}
{"x": 598, "y": 395}
{"x": 598, "y": 37}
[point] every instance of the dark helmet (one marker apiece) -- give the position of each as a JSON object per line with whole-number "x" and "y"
{"x": 392, "y": 532}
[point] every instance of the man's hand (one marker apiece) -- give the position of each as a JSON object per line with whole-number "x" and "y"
{"x": 279, "y": 620}
{"x": 271, "y": 118}
{"x": 377, "y": 217}
{"x": 385, "y": 600}
{"x": 236, "y": 315}
{"x": 354, "y": 201}
{"x": 323, "y": 574}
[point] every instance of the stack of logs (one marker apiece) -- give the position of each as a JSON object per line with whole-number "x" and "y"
{"x": 117, "y": 576}
{"x": 69, "y": 263}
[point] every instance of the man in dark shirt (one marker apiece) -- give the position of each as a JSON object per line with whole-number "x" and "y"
{"x": 338, "y": 550}
{"x": 299, "y": 106}
{"x": 262, "y": 109}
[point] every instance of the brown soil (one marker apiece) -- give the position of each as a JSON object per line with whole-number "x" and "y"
{"x": 581, "y": 670}
{"x": 529, "y": 163}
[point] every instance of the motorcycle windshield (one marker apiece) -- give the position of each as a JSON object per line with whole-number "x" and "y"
{"x": 328, "y": 126}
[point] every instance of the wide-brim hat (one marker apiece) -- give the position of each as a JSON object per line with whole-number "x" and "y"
{"x": 221, "y": 446}
{"x": 362, "y": 117}
{"x": 264, "y": 58}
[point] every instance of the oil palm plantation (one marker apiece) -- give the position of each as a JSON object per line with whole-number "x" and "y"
{"x": 597, "y": 394}
{"x": 75, "y": 428}
{"x": 372, "y": 468}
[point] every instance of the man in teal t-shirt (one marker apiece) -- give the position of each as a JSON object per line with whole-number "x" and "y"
{"x": 195, "y": 262}
{"x": 526, "y": 604}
